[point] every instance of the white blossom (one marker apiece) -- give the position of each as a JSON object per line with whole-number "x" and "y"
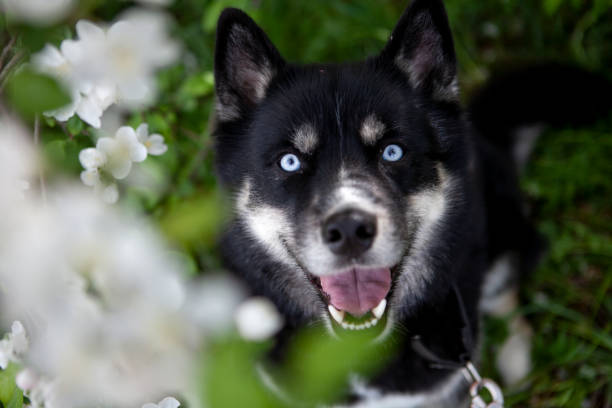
{"x": 6, "y": 351}
{"x": 168, "y": 402}
{"x": 107, "y": 298}
{"x": 88, "y": 100}
{"x": 257, "y": 319}
{"x": 121, "y": 151}
{"x": 92, "y": 158}
{"x": 27, "y": 379}
{"x": 14, "y": 345}
{"x": 40, "y": 12}
{"x": 19, "y": 162}
{"x": 110, "y": 320}
{"x": 112, "y": 158}
{"x": 125, "y": 56}
{"x": 154, "y": 143}
{"x": 104, "y": 66}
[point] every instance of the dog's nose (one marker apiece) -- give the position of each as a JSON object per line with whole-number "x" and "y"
{"x": 349, "y": 233}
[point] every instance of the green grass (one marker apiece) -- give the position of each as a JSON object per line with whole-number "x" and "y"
{"x": 568, "y": 299}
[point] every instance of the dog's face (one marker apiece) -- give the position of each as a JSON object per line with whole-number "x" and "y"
{"x": 341, "y": 173}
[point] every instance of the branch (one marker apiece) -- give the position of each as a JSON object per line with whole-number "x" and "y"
{"x": 41, "y": 178}
{"x": 7, "y": 68}
{"x": 7, "y": 48}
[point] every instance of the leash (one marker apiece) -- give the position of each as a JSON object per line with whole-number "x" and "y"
{"x": 471, "y": 374}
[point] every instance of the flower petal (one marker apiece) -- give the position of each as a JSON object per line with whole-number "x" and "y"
{"x": 142, "y": 132}
{"x": 90, "y": 112}
{"x": 89, "y": 31}
{"x": 66, "y": 112}
{"x": 126, "y": 135}
{"x": 121, "y": 168}
{"x": 19, "y": 338}
{"x": 169, "y": 402}
{"x": 6, "y": 350}
{"x": 156, "y": 146}
{"x": 138, "y": 152}
{"x": 92, "y": 158}
{"x": 110, "y": 194}
{"x": 72, "y": 50}
{"x": 257, "y": 319}
{"x": 90, "y": 178}
{"x": 48, "y": 57}
{"x": 106, "y": 145}
{"x": 104, "y": 95}
{"x": 137, "y": 91}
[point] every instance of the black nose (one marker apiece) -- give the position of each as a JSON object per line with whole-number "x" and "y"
{"x": 349, "y": 233}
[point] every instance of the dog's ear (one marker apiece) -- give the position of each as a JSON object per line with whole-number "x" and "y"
{"x": 421, "y": 46}
{"x": 245, "y": 64}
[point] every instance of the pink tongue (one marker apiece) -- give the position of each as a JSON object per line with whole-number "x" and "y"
{"x": 358, "y": 290}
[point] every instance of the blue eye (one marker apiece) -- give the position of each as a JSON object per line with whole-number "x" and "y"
{"x": 392, "y": 153}
{"x": 290, "y": 163}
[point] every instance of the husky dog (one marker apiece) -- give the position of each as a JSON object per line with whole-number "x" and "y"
{"x": 365, "y": 200}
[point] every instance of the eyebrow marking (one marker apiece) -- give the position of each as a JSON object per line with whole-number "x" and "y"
{"x": 305, "y": 138}
{"x": 372, "y": 130}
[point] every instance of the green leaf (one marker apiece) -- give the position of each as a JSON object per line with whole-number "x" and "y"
{"x": 75, "y": 125}
{"x": 199, "y": 85}
{"x": 8, "y": 387}
{"x": 196, "y": 221}
{"x": 318, "y": 364}
{"x": 551, "y": 6}
{"x": 31, "y": 93}
{"x": 230, "y": 377}
{"x": 16, "y": 400}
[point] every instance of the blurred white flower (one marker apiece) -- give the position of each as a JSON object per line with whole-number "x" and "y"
{"x": 121, "y": 151}
{"x": 212, "y": 304}
{"x": 40, "y": 12}
{"x": 40, "y": 391}
{"x": 21, "y": 186}
{"x": 92, "y": 158}
{"x": 88, "y": 101}
{"x": 107, "y": 298}
{"x": 6, "y": 352}
{"x": 14, "y": 345}
{"x": 167, "y": 402}
{"x": 154, "y": 143}
{"x": 126, "y": 55}
{"x": 257, "y": 319}
{"x": 110, "y": 319}
{"x": 114, "y": 156}
{"x": 110, "y": 65}
{"x": 27, "y": 379}
{"x": 19, "y": 161}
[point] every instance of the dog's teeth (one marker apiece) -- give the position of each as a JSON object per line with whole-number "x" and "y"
{"x": 380, "y": 309}
{"x": 338, "y": 315}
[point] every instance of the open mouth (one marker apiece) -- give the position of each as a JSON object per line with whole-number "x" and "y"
{"x": 357, "y": 298}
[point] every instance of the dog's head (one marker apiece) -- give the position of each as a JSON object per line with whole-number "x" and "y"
{"x": 345, "y": 175}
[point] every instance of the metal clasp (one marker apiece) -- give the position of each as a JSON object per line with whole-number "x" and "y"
{"x": 478, "y": 384}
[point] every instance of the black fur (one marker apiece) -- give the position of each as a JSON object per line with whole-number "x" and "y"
{"x": 411, "y": 87}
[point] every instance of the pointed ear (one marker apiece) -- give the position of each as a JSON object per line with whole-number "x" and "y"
{"x": 421, "y": 46}
{"x": 245, "y": 64}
